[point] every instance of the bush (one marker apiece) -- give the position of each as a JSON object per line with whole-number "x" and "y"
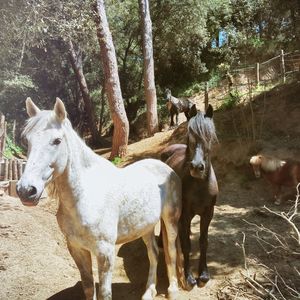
{"x": 117, "y": 160}
{"x": 231, "y": 100}
{"x": 11, "y": 149}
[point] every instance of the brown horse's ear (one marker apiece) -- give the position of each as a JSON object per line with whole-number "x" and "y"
{"x": 60, "y": 110}
{"x": 209, "y": 112}
{"x": 31, "y": 108}
{"x": 193, "y": 111}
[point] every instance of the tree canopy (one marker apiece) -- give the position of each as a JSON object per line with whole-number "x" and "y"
{"x": 190, "y": 39}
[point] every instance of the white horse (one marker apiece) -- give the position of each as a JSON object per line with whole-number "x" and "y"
{"x": 100, "y": 205}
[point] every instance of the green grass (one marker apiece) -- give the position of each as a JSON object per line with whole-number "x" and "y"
{"x": 117, "y": 160}
{"x": 11, "y": 149}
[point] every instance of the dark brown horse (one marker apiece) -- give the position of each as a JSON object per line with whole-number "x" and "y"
{"x": 192, "y": 162}
{"x": 277, "y": 171}
{"x": 176, "y": 106}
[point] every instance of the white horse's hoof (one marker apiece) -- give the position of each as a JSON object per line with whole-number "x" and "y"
{"x": 173, "y": 292}
{"x": 172, "y": 295}
{"x": 150, "y": 293}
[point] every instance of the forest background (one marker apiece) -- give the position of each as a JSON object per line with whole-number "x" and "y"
{"x": 45, "y": 42}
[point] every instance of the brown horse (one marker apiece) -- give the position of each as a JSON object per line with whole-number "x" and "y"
{"x": 192, "y": 162}
{"x": 278, "y": 172}
{"x": 176, "y": 106}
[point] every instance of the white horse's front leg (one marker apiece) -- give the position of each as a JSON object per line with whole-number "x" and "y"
{"x": 83, "y": 261}
{"x": 105, "y": 258}
{"x": 153, "y": 252}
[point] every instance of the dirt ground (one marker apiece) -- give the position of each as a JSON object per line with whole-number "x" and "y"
{"x": 35, "y": 264}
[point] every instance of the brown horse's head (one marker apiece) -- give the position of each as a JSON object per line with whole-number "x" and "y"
{"x": 201, "y": 135}
{"x": 255, "y": 162}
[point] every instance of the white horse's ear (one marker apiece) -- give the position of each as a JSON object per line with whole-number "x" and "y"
{"x": 60, "y": 110}
{"x": 31, "y": 108}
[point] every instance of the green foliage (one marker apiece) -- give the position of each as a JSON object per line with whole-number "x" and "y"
{"x": 117, "y": 160}
{"x": 19, "y": 82}
{"x": 192, "y": 89}
{"x": 231, "y": 100}
{"x": 11, "y": 149}
{"x": 215, "y": 79}
{"x": 187, "y": 38}
{"x": 163, "y": 113}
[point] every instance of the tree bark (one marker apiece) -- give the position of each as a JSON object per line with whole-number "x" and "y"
{"x": 112, "y": 84}
{"x": 149, "y": 82}
{"x": 76, "y": 61}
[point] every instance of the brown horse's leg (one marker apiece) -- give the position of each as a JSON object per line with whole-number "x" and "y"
{"x": 172, "y": 119}
{"x": 176, "y": 119}
{"x": 83, "y": 261}
{"x": 276, "y": 193}
{"x": 184, "y": 234}
{"x": 204, "y": 224}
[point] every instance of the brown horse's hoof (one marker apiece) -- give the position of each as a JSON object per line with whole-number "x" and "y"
{"x": 277, "y": 202}
{"x": 203, "y": 279}
{"x": 190, "y": 282}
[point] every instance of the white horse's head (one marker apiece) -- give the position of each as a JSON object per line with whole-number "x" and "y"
{"x": 47, "y": 153}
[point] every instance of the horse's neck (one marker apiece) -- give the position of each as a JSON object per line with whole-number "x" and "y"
{"x": 67, "y": 186}
{"x": 269, "y": 166}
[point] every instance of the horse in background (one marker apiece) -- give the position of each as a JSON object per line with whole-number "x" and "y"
{"x": 176, "y": 106}
{"x": 192, "y": 162}
{"x": 100, "y": 205}
{"x": 278, "y": 172}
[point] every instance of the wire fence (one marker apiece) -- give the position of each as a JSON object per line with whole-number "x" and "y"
{"x": 248, "y": 79}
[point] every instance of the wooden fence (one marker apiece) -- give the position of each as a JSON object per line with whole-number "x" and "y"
{"x": 11, "y": 169}
{"x": 245, "y": 79}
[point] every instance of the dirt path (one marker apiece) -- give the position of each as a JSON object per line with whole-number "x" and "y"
{"x": 35, "y": 264}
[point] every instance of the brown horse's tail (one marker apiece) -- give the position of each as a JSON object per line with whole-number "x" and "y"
{"x": 179, "y": 256}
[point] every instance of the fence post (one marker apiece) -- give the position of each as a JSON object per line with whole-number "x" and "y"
{"x": 257, "y": 73}
{"x": 2, "y": 136}
{"x": 282, "y": 66}
{"x": 14, "y": 132}
{"x": 206, "y": 96}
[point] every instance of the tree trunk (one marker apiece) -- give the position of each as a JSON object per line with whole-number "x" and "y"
{"x": 102, "y": 108}
{"x": 76, "y": 61}
{"x": 112, "y": 84}
{"x": 149, "y": 82}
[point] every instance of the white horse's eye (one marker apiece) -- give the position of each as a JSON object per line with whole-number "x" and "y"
{"x": 56, "y": 141}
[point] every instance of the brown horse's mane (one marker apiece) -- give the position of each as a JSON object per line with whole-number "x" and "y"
{"x": 267, "y": 163}
{"x": 204, "y": 128}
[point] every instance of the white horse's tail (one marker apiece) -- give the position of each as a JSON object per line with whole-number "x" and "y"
{"x": 179, "y": 256}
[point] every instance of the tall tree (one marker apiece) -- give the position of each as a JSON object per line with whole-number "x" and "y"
{"x": 76, "y": 61}
{"x": 112, "y": 84}
{"x": 149, "y": 82}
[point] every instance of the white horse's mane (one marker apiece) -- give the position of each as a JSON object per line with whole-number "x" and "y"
{"x": 267, "y": 163}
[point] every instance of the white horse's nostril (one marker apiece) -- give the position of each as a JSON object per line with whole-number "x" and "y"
{"x": 32, "y": 191}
